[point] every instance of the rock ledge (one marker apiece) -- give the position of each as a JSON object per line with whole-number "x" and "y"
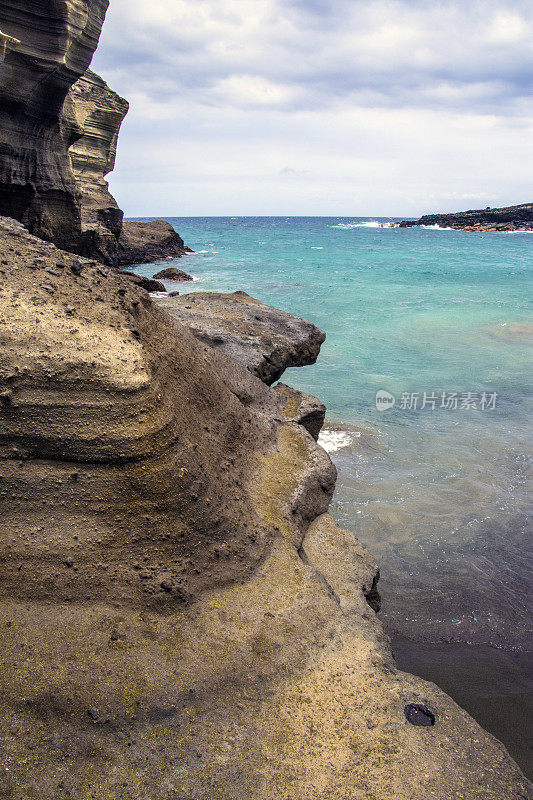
{"x": 263, "y": 339}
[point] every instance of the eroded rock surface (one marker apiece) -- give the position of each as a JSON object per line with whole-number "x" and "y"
{"x": 144, "y": 242}
{"x": 179, "y": 615}
{"x": 56, "y": 41}
{"x": 263, "y": 339}
{"x": 98, "y": 113}
{"x": 302, "y": 408}
{"x": 87, "y": 368}
{"x": 59, "y": 124}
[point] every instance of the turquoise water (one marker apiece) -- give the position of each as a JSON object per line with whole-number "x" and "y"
{"x": 439, "y": 496}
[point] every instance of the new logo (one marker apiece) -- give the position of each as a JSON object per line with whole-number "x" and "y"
{"x": 384, "y": 400}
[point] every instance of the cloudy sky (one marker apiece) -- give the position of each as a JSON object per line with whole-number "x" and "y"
{"x": 320, "y": 107}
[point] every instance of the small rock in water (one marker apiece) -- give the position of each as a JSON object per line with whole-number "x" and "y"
{"x": 419, "y": 714}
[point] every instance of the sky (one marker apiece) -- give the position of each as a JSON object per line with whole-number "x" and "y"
{"x": 320, "y": 107}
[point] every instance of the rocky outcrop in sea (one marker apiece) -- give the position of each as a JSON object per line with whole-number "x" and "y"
{"x": 59, "y": 124}
{"x": 144, "y": 242}
{"x": 179, "y": 615}
{"x": 512, "y": 218}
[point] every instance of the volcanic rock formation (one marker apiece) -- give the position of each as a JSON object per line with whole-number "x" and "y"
{"x": 263, "y": 339}
{"x": 144, "y": 242}
{"x": 179, "y": 615}
{"x": 56, "y": 41}
{"x": 59, "y": 124}
{"x": 512, "y": 218}
{"x": 98, "y": 113}
{"x": 173, "y": 274}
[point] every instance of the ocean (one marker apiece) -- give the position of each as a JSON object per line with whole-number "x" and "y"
{"x": 437, "y": 325}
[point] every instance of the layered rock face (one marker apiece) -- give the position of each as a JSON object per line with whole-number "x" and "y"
{"x": 98, "y": 113}
{"x": 59, "y": 124}
{"x": 512, "y": 218}
{"x": 97, "y": 400}
{"x": 57, "y": 39}
{"x": 180, "y": 616}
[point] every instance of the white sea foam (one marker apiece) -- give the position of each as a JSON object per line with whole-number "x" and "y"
{"x": 346, "y": 226}
{"x": 332, "y": 440}
{"x": 435, "y": 228}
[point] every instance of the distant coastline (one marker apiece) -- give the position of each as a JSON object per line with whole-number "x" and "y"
{"x": 512, "y": 218}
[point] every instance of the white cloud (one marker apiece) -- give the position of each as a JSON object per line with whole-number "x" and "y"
{"x": 507, "y": 28}
{"x": 250, "y": 91}
{"x": 298, "y": 106}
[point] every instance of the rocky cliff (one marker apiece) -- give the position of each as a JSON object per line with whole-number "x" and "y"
{"x": 97, "y": 112}
{"x": 55, "y": 41}
{"x": 512, "y": 218}
{"x": 179, "y": 615}
{"x": 59, "y": 124}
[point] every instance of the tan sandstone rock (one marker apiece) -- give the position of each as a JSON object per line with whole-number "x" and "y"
{"x": 179, "y": 616}
{"x": 263, "y": 339}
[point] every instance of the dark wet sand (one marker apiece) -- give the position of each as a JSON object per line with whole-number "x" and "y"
{"x": 494, "y": 686}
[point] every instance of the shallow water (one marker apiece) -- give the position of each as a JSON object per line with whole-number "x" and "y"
{"x": 438, "y": 494}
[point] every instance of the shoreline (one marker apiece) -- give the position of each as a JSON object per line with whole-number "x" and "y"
{"x": 472, "y": 675}
{"x": 512, "y": 219}
{"x": 181, "y": 614}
